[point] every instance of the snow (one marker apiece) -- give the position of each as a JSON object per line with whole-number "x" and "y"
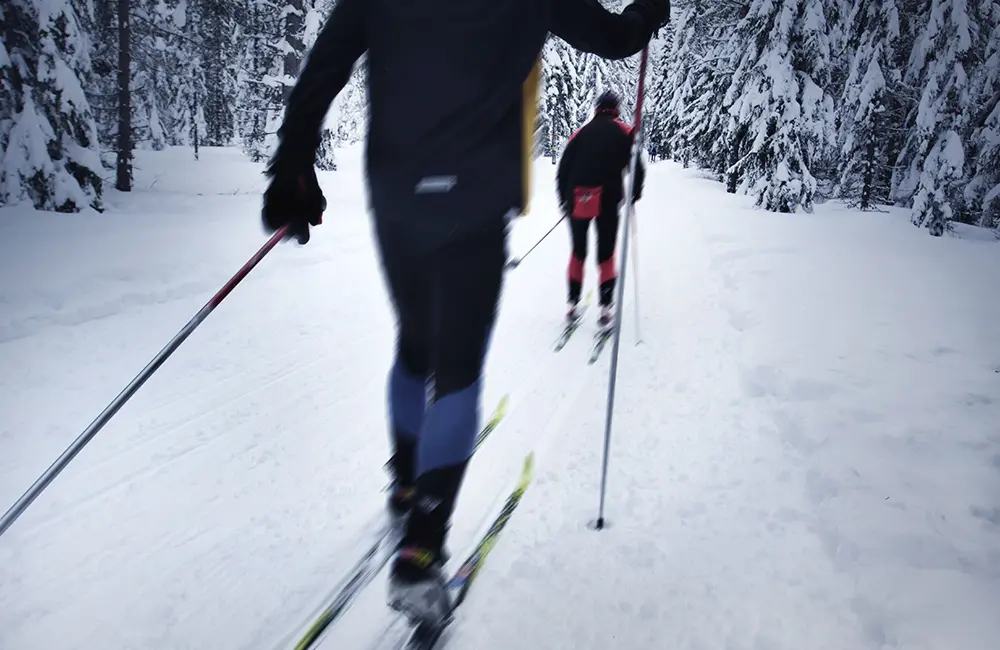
{"x": 180, "y": 14}
{"x": 26, "y": 155}
{"x": 805, "y": 452}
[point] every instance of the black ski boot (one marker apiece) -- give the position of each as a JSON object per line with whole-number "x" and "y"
{"x": 417, "y": 579}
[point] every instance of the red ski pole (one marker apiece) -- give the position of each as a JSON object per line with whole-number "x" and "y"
{"x": 60, "y": 463}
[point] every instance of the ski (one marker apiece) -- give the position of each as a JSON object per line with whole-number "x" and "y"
{"x": 388, "y": 535}
{"x": 572, "y": 325}
{"x": 360, "y": 576}
{"x": 601, "y": 339}
{"x": 425, "y": 636}
{"x": 498, "y": 414}
{"x": 466, "y": 574}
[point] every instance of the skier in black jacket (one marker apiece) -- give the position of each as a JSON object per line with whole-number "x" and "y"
{"x": 589, "y": 183}
{"x": 451, "y": 87}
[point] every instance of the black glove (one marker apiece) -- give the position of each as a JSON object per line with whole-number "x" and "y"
{"x": 655, "y": 12}
{"x": 293, "y": 199}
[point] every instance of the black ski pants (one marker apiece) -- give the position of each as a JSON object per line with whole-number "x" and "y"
{"x": 446, "y": 301}
{"x": 607, "y": 236}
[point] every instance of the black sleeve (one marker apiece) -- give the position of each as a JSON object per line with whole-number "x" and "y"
{"x": 563, "y": 182}
{"x": 589, "y": 27}
{"x": 327, "y": 69}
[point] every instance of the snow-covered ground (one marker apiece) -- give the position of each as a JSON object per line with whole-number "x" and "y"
{"x": 806, "y": 448}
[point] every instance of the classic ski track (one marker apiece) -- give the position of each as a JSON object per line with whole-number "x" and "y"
{"x": 554, "y": 360}
{"x": 70, "y": 506}
{"x": 133, "y": 302}
{"x": 543, "y": 442}
{"x": 278, "y": 363}
{"x": 363, "y": 541}
{"x": 398, "y": 620}
{"x": 212, "y": 405}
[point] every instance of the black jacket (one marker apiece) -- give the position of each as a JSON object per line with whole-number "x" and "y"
{"x": 598, "y": 155}
{"x": 445, "y": 83}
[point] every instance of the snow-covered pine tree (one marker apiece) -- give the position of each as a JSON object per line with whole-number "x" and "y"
{"x": 866, "y": 163}
{"x": 131, "y": 78}
{"x": 220, "y": 35}
{"x": 708, "y": 68}
{"x": 51, "y": 155}
{"x": 938, "y": 65}
{"x": 659, "y": 88}
{"x": 101, "y": 24}
{"x": 148, "y": 79}
{"x": 781, "y": 113}
{"x": 274, "y": 53}
{"x": 18, "y": 33}
{"x": 983, "y": 189}
{"x": 581, "y": 93}
{"x": 559, "y": 117}
{"x": 260, "y": 101}
{"x": 572, "y": 81}
{"x": 188, "y": 90}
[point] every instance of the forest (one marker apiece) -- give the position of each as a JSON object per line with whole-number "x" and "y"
{"x": 793, "y": 102}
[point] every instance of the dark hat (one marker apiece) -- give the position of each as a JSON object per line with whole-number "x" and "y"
{"x": 608, "y": 101}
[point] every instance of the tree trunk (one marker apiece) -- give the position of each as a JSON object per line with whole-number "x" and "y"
{"x": 123, "y": 182}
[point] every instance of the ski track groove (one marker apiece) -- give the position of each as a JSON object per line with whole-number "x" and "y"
{"x": 70, "y": 507}
{"x": 538, "y": 438}
{"x": 285, "y": 371}
{"x": 132, "y": 302}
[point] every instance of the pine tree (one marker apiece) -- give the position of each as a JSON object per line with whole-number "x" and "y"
{"x": 781, "y": 115}
{"x": 703, "y": 118}
{"x": 260, "y": 102}
{"x": 51, "y": 156}
{"x": 18, "y": 31}
{"x": 866, "y": 163}
{"x": 661, "y": 79}
{"x": 983, "y": 190}
{"x": 559, "y": 117}
{"x": 938, "y": 66}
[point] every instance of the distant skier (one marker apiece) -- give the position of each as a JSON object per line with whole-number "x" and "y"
{"x": 589, "y": 183}
{"x": 452, "y": 110}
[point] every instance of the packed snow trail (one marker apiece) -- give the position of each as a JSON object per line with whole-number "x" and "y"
{"x": 805, "y": 451}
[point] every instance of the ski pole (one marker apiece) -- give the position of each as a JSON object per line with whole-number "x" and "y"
{"x": 513, "y": 263}
{"x": 60, "y": 463}
{"x": 635, "y": 271}
{"x": 637, "y": 144}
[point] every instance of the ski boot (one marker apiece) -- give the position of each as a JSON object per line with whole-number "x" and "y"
{"x": 417, "y": 583}
{"x": 606, "y": 319}
{"x": 571, "y": 312}
{"x": 418, "y": 587}
{"x": 401, "y": 499}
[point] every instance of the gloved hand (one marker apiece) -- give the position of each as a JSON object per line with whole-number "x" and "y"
{"x": 293, "y": 199}
{"x": 656, "y": 12}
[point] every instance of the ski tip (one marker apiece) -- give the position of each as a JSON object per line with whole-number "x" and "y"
{"x": 502, "y": 406}
{"x": 527, "y": 472}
